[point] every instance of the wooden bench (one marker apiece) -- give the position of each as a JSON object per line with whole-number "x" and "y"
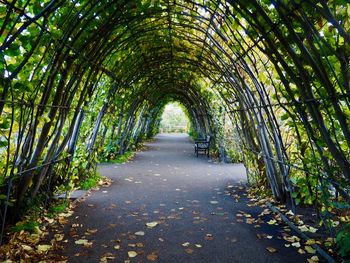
{"x": 202, "y": 146}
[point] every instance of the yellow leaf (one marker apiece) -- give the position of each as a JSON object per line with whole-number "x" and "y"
{"x": 303, "y": 228}
{"x": 313, "y": 259}
{"x": 26, "y": 247}
{"x": 310, "y": 250}
{"x": 272, "y": 222}
{"x": 59, "y": 237}
{"x": 312, "y": 229}
{"x": 81, "y": 241}
{"x": 117, "y": 247}
{"x": 132, "y": 254}
{"x": 43, "y": 248}
{"x": 152, "y": 224}
{"x": 310, "y": 242}
{"x": 84, "y": 242}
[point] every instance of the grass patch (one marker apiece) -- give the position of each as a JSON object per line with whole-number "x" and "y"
{"x": 30, "y": 226}
{"x": 57, "y": 208}
{"x": 90, "y": 182}
{"x": 123, "y": 158}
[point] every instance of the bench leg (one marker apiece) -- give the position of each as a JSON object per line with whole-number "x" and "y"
{"x": 208, "y": 153}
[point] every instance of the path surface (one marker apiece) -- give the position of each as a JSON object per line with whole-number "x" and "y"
{"x": 186, "y": 196}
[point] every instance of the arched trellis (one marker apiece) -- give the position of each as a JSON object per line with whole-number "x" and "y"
{"x": 279, "y": 68}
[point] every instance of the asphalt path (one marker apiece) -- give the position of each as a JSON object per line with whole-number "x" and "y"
{"x": 189, "y": 206}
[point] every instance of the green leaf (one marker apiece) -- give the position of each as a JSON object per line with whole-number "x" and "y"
{"x": 3, "y": 144}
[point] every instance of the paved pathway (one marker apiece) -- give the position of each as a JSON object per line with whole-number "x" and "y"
{"x": 187, "y": 196}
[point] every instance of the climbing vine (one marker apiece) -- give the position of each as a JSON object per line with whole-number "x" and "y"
{"x": 86, "y": 81}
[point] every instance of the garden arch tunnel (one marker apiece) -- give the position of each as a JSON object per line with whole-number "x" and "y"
{"x": 87, "y": 78}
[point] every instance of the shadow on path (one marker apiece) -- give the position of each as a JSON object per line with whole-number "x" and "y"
{"x": 186, "y": 196}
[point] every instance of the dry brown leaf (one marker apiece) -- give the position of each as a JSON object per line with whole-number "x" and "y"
{"x": 139, "y": 244}
{"x": 189, "y": 250}
{"x": 301, "y": 251}
{"x": 271, "y": 249}
{"x": 152, "y": 257}
{"x": 105, "y": 257}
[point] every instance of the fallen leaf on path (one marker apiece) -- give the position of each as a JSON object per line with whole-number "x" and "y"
{"x": 132, "y": 254}
{"x": 310, "y": 242}
{"x": 272, "y": 222}
{"x": 271, "y": 249}
{"x": 313, "y": 259}
{"x": 250, "y": 221}
{"x": 186, "y": 244}
{"x": 84, "y": 242}
{"x": 209, "y": 237}
{"x": 189, "y": 250}
{"x": 26, "y": 247}
{"x": 310, "y": 250}
{"x": 296, "y": 244}
{"x": 290, "y": 213}
{"x": 91, "y": 231}
{"x": 198, "y": 245}
{"x": 117, "y": 247}
{"x": 152, "y": 257}
{"x": 105, "y": 257}
{"x": 214, "y": 202}
{"x": 59, "y": 237}
{"x": 140, "y": 233}
{"x": 301, "y": 251}
{"x": 152, "y": 224}
{"x": 291, "y": 239}
{"x": 139, "y": 244}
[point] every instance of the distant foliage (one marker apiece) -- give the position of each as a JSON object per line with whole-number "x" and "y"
{"x": 174, "y": 119}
